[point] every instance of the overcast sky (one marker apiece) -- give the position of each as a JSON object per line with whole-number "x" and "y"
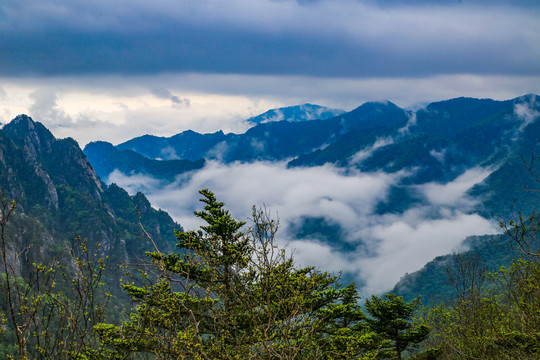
{"x": 113, "y": 70}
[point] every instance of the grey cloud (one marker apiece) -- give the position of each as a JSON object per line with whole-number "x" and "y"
{"x": 385, "y": 246}
{"x": 457, "y": 2}
{"x": 175, "y": 99}
{"x": 46, "y": 110}
{"x": 163, "y": 93}
{"x": 123, "y": 122}
{"x": 341, "y": 39}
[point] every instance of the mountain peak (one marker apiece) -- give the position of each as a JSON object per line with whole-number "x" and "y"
{"x": 59, "y": 161}
{"x": 373, "y": 105}
{"x": 530, "y": 98}
{"x": 30, "y": 134}
{"x": 296, "y": 113}
{"x": 375, "y": 114}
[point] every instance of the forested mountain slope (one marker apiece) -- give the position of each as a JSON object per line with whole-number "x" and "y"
{"x": 56, "y": 188}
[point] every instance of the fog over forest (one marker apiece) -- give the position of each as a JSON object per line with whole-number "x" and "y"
{"x": 380, "y": 248}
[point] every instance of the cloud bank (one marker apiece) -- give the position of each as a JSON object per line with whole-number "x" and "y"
{"x": 117, "y": 108}
{"x": 380, "y": 248}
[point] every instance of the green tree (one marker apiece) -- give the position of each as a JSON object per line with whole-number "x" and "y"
{"x": 501, "y": 321}
{"x": 495, "y": 315}
{"x": 50, "y": 307}
{"x": 346, "y": 332}
{"x": 392, "y": 319}
{"x": 229, "y": 294}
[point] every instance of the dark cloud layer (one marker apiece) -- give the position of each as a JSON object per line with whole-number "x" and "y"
{"x": 316, "y": 38}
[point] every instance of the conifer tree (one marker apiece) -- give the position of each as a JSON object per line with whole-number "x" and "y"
{"x": 391, "y": 318}
{"x": 228, "y": 294}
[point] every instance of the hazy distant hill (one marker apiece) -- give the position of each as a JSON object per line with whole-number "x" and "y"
{"x": 276, "y": 140}
{"x": 296, "y": 113}
{"x": 187, "y": 145}
{"x": 193, "y": 146}
{"x": 106, "y": 158}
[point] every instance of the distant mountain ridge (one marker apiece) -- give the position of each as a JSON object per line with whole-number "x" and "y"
{"x": 433, "y": 145}
{"x": 271, "y": 141}
{"x": 439, "y": 141}
{"x": 127, "y": 161}
{"x": 188, "y": 145}
{"x": 296, "y": 113}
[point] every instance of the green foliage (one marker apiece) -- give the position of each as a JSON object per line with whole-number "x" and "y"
{"x": 391, "y": 318}
{"x": 502, "y": 321}
{"x": 432, "y": 283}
{"x": 226, "y": 293}
{"x": 229, "y": 294}
{"x": 50, "y": 306}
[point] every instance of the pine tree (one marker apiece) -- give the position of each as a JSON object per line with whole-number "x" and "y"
{"x": 391, "y": 318}
{"x": 229, "y": 294}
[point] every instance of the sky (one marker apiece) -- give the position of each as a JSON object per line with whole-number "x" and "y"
{"x": 113, "y": 70}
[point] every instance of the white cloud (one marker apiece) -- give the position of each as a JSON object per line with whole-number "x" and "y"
{"x": 366, "y": 153}
{"x": 169, "y": 153}
{"x": 277, "y": 116}
{"x": 526, "y": 111}
{"x": 406, "y": 247}
{"x": 45, "y": 107}
{"x": 439, "y": 155}
{"x": 410, "y": 123}
{"x": 116, "y": 109}
{"x": 454, "y": 192}
{"x": 386, "y": 245}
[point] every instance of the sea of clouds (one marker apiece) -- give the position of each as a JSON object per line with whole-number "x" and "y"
{"x": 380, "y": 247}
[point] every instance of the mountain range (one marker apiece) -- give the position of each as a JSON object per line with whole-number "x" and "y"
{"x": 60, "y": 194}
{"x": 439, "y": 142}
{"x": 434, "y": 145}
